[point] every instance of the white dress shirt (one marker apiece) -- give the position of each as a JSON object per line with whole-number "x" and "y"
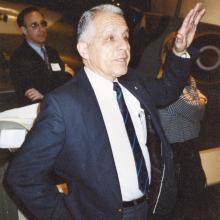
{"x": 37, "y": 49}
{"x": 120, "y": 145}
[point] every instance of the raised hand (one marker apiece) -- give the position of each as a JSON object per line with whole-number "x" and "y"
{"x": 186, "y": 33}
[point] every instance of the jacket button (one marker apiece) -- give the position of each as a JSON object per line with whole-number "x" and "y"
{"x": 120, "y": 210}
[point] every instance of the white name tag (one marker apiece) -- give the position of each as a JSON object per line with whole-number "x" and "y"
{"x": 55, "y": 67}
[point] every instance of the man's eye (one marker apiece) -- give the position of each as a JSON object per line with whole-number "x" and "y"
{"x": 126, "y": 38}
{"x": 110, "y": 38}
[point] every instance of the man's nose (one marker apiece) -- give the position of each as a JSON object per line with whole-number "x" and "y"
{"x": 42, "y": 28}
{"x": 123, "y": 43}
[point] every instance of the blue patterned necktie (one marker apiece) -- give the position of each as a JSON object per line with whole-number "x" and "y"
{"x": 143, "y": 180}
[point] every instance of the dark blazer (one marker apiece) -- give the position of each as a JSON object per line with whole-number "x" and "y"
{"x": 69, "y": 139}
{"x": 28, "y": 70}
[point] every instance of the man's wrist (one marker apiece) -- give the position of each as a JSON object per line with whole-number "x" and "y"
{"x": 182, "y": 54}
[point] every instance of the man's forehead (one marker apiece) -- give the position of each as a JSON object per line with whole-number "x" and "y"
{"x": 110, "y": 20}
{"x": 33, "y": 15}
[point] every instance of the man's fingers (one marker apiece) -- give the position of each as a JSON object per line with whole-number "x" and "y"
{"x": 33, "y": 94}
{"x": 198, "y": 12}
{"x": 28, "y": 93}
{"x": 189, "y": 25}
{"x": 193, "y": 16}
{"x": 179, "y": 37}
{"x": 34, "y": 98}
{"x": 187, "y": 19}
{"x": 198, "y": 6}
{"x": 199, "y": 16}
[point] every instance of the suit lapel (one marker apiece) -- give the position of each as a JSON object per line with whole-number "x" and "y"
{"x": 33, "y": 54}
{"x": 98, "y": 137}
{"x": 137, "y": 90}
{"x": 132, "y": 84}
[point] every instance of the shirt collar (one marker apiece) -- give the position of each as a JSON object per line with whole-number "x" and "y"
{"x": 36, "y": 48}
{"x": 98, "y": 82}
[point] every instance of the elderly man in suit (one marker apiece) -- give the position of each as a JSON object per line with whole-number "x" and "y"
{"x": 35, "y": 68}
{"x": 100, "y": 132}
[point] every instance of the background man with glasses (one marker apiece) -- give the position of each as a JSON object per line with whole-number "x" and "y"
{"x": 36, "y": 69}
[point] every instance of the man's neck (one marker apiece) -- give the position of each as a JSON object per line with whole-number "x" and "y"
{"x": 34, "y": 43}
{"x": 100, "y": 73}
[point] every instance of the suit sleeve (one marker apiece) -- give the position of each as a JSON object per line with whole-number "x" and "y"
{"x": 20, "y": 71}
{"x": 29, "y": 175}
{"x": 176, "y": 72}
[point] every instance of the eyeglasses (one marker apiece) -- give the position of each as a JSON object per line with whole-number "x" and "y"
{"x": 36, "y": 25}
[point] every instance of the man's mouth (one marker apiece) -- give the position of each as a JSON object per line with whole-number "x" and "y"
{"x": 121, "y": 60}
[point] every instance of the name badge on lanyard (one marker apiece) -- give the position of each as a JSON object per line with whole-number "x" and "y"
{"x": 55, "y": 67}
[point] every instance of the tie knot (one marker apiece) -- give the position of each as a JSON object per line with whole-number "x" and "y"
{"x": 43, "y": 50}
{"x": 116, "y": 87}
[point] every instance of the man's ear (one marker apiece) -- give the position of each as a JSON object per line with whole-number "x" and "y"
{"x": 23, "y": 30}
{"x": 82, "y": 48}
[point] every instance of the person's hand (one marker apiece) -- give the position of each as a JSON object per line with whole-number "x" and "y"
{"x": 186, "y": 33}
{"x": 33, "y": 94}
{"x": 203, "y": 99}
{"x": 69, "y": 70}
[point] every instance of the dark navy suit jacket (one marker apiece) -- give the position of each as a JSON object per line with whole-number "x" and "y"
{"x": 69, "y": 139}
{"x": 28, "y": 70}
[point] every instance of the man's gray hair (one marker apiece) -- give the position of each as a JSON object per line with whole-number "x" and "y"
{"x": 88, "y": 16}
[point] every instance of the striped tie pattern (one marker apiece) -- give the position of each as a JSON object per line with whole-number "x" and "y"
{"x": 143, "y": 180}
{"x": 46, "y": 59}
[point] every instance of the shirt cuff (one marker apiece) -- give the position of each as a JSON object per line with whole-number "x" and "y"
{"x": 185, "y": 55}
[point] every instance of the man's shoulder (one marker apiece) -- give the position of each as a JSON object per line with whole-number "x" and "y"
{"x": 74, "y": 83}
{"x": 51, "y": 49}
{"x": 131, "y": 76}
{"x": 53, "y": 54}
{"x": 21, "y": 50}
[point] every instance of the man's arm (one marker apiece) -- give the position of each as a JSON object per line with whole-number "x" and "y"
{"x": 177, "y": 67}
{"x": 19, "y": 72}
{"x": 29, "y": 176}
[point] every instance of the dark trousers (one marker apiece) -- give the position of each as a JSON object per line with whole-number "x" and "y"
{"x": 138, "y": 212}
{"x": 191, "y": 180}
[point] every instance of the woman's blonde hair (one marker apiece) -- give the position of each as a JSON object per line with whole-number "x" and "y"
{"x": 165, "y": 48}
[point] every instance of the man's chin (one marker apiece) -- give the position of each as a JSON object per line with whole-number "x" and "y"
{"x": 42, "y": 40}
{"x": 121, "y": 72}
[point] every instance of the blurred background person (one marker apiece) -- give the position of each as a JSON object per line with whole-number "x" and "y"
{"x": 181, "y": 123}
{"x": 35, "y": 68}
